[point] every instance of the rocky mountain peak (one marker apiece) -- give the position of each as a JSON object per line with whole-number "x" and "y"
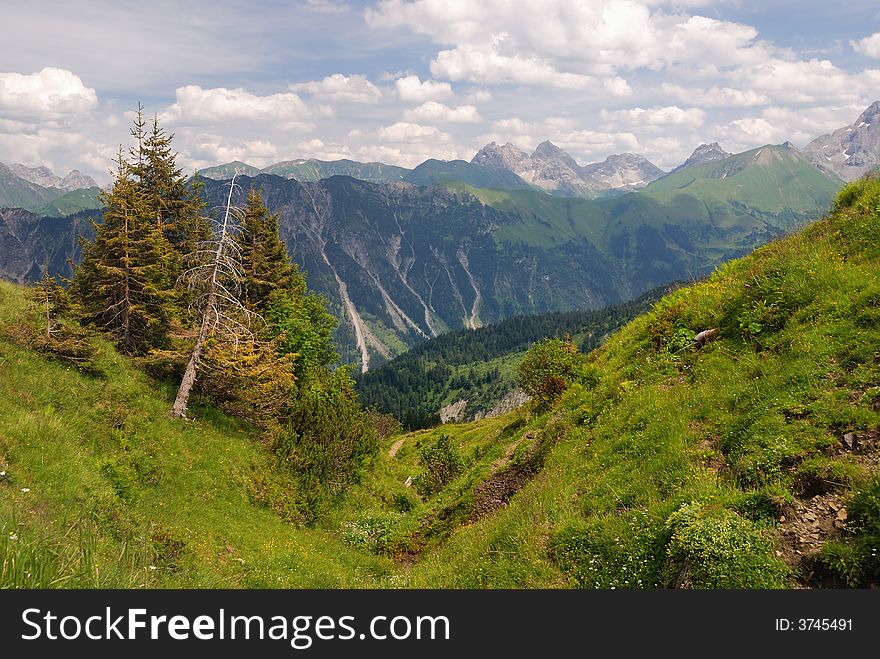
{"x": 46, "y": 178}
{"x": 704, "y": 153}
{"x": 507, "y": 156}
{"x": 549, "y": 152}
{"x": 852, "y": 150}
{"x": 870, "y": 115}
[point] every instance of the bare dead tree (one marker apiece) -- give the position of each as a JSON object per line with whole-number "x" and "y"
{"x": 215, "y": 277}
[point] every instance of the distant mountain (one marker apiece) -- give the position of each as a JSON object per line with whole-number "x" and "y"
{"x": 852, "y": 150}
{"x": 72, "y": 202}
{"x": 16, "y": 192}
{"x": 775, "y": 184}
{"x": 704, "y": 153}
{"x": 312, "y": 170}
{"x": 315, "y": 170}
{"x": 45, "y": 177}
{"x": 433, "y": 171}
{"x": 400, "y": 263}
{"x": 555, "y": 171}
{"x": 625, "y": 171}
{"x": 226, "y": 172}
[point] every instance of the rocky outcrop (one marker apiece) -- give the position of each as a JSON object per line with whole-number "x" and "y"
{"x": 45, "y": 177}
{"x": 851, "y": 151}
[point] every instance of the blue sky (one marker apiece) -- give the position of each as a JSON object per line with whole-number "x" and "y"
{"x": 400, "y": 81}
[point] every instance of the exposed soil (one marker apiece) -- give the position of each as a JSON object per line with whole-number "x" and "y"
{"x": 395, "y": 447}
{"x": 819, "y": 515}
{"x": 506, "y": 479}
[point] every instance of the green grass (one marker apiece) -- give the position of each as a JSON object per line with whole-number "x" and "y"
{"x": 672, "y": 469}
{"x": 101, "y": 455}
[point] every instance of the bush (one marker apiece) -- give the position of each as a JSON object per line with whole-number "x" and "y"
{"x": 328, "y": 439}
{"x": 550, "y": 366}
{"x": 716, "y": 548}
{"x": 441, "y": 463}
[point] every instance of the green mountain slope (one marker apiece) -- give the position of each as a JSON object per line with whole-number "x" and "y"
{"x": 748, "y": 462}
{"x": 71, "y": 202}
{"x": 100, "y": 488}
{"x": 226, "y": 171}
{"x": 773, "y": 183}
{"x": 432, "y": 172}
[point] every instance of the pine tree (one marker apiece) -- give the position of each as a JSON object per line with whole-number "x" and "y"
{"x": 265, "y": 264}
{"x": 123, "y": 283}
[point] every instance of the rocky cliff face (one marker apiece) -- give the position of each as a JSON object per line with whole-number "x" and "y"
{"x": 851, "y": 151}
{"x": 553, "y": 170}
{"x": 626, "y": 171}
{"x": 30, "y": 243}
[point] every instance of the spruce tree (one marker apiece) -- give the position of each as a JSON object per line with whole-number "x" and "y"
{"x": 265, "y": 264}
{"x": 174, "y": 201}
{"x": 124, "y": 282}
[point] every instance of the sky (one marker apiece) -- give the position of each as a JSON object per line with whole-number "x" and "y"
{"x": 400, "y": 81}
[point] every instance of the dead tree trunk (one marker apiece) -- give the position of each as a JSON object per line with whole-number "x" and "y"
{"x": 219, "y": 278}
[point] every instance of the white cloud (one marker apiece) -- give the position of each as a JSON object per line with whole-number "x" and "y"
{"x": 197, "y": 106}
{"x": 326, "y": 6}
{"x": 48, "y": 94}
{"x": 869, "y": 46}
{"x": 206, "y": 149}
{"x": 716, "y": 97}
{"x": 671, "y": 115}
{"x": 339, "y": 88}
{"x": 411, "y": 88}
{"x": 408, "y": 132}
{"x": 432, "y": 111}
{"x": 579, "y": 37}
{"x": 483, "y": 64}
{"x": 802, "y": 81}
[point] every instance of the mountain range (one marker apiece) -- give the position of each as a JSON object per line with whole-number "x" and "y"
{"x": 403, "y": 255}
{"x": 40, "y": 190}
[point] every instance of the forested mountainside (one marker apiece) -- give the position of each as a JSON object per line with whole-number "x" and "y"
{"x": 471, "y": 373}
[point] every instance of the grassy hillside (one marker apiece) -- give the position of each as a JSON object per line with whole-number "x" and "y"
{"x": 101, "y": 489}
{"x": 751, "y": 462}
{"x": 748, "y": 462}
{"x": 434, "y": 171}
{"x": 774, "y": 183}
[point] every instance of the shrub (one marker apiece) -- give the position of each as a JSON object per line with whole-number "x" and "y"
{"x": 550, "y": 366}
{"x": 716, "y": 548}
{"x": 328, "y": 439}
{"x": 441, "y": 463}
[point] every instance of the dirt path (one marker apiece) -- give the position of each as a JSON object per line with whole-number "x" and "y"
{"x": 395, "y": 447}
